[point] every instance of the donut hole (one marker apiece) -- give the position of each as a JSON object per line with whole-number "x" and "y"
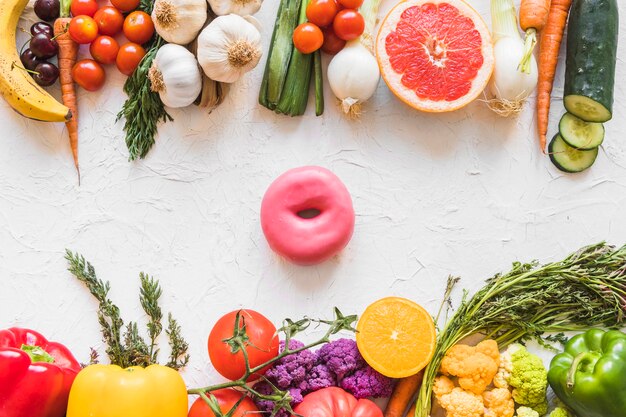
{"x": 309, "y": 213}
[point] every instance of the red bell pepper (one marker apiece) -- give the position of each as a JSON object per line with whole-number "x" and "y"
{"x": 35, "y": 375}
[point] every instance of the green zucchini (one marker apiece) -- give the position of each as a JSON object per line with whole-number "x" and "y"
{"x": 569, "y": 159}
{"x": 580, "y": 134}
{"x": 590, "y": 59}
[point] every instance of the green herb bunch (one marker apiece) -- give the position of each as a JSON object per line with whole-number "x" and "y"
{"x": 240, "y": 341}
{"x": 125, "y": 346}
{"x": 586, "y": 289}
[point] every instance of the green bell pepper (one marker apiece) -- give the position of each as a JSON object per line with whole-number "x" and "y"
{"x": 590, "y": 375}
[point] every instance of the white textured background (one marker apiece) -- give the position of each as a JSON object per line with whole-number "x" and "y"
{"x": 464, "y": 193}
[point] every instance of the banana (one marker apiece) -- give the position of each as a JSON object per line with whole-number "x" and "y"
{"x": 16, "y": 85}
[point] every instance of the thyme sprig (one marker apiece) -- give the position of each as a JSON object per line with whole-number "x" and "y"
{"x": 586, "y": 289}
{"x": 240, "y": 341}
{"x": 127, "y": 347}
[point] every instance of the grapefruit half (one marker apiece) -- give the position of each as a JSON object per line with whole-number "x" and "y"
{"x": 435, "y": 55}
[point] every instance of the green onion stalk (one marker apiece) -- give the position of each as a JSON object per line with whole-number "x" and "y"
{"x": 586, "y": 289}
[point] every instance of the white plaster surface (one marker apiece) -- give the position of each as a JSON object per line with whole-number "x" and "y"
{"x": 464, "y": 193}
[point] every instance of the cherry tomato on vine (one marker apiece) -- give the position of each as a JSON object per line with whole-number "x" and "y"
{"x": 262, "y": 344}
{"x": 88, "y": 74}
{"x": 226, "y": 398}
{"x": 125, "y": 6}
{"x": 322, "y": 12}
{"x": 350, "y": 4}
{"x": 84, "y": 7}
{"x": 333, "y": 44}
{"x": 104, "y": 49}
{"x": 308, "y": 38}
{"x": 348, "y": 24}
{"x": 138, "y": 27}
{"x": 129, "y": 57}
{"x": 83, "y": 29}
{"x": 109, "y": 20}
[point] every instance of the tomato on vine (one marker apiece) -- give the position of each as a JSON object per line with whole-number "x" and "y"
{"x": 257, "y": 335}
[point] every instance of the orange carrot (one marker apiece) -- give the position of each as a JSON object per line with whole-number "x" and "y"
{"x": 533, "y": 14}
{"x": 403, "y": 393}
{"x": 68, "y": 53}
{"x": 549, "y": 45}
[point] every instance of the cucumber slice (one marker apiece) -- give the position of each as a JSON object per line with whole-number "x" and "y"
{"x": 569, "y": 159}
{"x": 580, "y": 134}
{"x": 586, "y": 108}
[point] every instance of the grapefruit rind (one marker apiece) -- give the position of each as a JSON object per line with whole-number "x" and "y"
{"x": 393, "y": 79}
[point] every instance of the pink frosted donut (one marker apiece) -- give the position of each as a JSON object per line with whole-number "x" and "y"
{"x": 307, "y": 215}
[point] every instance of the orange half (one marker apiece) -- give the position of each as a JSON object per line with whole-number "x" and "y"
{"x": 396, "y": 337}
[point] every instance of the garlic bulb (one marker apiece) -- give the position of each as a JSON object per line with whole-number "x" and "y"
{"x": 179, "y": 21}
{"x": 175, "y": 76}
{"x": 240, "y": 7}
{"x": 229, "y": 47}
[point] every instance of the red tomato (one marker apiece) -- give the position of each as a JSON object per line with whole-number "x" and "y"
{"x": 83, "y": 29}
{"x": 226, "y": 398}
{"x": 322, "y": 12}
{"x": 335, "y": 402}
{"x": 125, "y": 6}
{"x": 348, "y": 24}
{"x": 129, "y": 57}
{"x": 262, "y": 344}
{"x": 332, "y": 43}
{"x": 350, "y": 4}
{"x": 109, "y": 20}
{"x": 88, "y": 74}
{"x": 104, "y": 49}
{"x": 308, "y": 38}
{"x": 84, "y": 7}
{"x": 138, "y": 27}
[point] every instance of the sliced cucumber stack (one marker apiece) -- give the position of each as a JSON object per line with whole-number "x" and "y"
{"x": 569, "y": 159}
{"x": 580, "y": 134}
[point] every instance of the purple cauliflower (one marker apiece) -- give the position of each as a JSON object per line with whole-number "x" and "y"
{"x": 342, "y": 357}
{"x": 366, "y": 383}
{"x": 320, "y": 377}
{"x": 291, "y": 371}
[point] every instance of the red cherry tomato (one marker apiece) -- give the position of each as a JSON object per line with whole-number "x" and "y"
{"x": 88, "y": 74}
{"x": 350, "y": 4}
{"x": 333, "y": 44}
{"x": 322, "y": 12}
{"x": 125, "y": 6}
{"x": 308, "y": 38}
{"x": 262, "y": 344}
{"x": 109, "y": 20}
{"x": 129, "y": 57}
{"x": 227, "y": 399}
{"x": 138, "y": 27}
{"x": 104, "y": 49}
{"x": 84, "y": 7}
{"x": 348, "y": 24}
{"x": 83, "y": 29}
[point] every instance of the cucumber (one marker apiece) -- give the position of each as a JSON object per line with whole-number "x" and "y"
{"x": 569, "y": 159}
{"x": 590, "y": 59}
{"x": 580, "y": 134}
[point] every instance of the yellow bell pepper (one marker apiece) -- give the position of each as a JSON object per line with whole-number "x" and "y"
{"x": 110, "y": 391}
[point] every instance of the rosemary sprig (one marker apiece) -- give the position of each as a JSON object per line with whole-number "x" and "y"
{"x": 586, "y": 289}
{"x": 143, "y": 109}
{"x": 129, "y": 348}
{"x": 239, "y": 341}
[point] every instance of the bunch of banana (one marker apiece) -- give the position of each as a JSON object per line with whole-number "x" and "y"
{"x": 16, "y": 85}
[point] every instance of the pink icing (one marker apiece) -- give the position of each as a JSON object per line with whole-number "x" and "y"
{"x": 307, "y": 241}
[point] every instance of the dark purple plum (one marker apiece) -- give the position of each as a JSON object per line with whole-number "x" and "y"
{"x": 30, "y": 60}
{"x": 47, "y": 10}
{"x": 43, "y": 47}
{"x": 42, "y": 27}
{"x": 46, "y": 74}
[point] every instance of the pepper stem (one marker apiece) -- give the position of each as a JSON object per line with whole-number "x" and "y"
{"x": 579, "y": 360}
{"x": 37, "y": 354}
